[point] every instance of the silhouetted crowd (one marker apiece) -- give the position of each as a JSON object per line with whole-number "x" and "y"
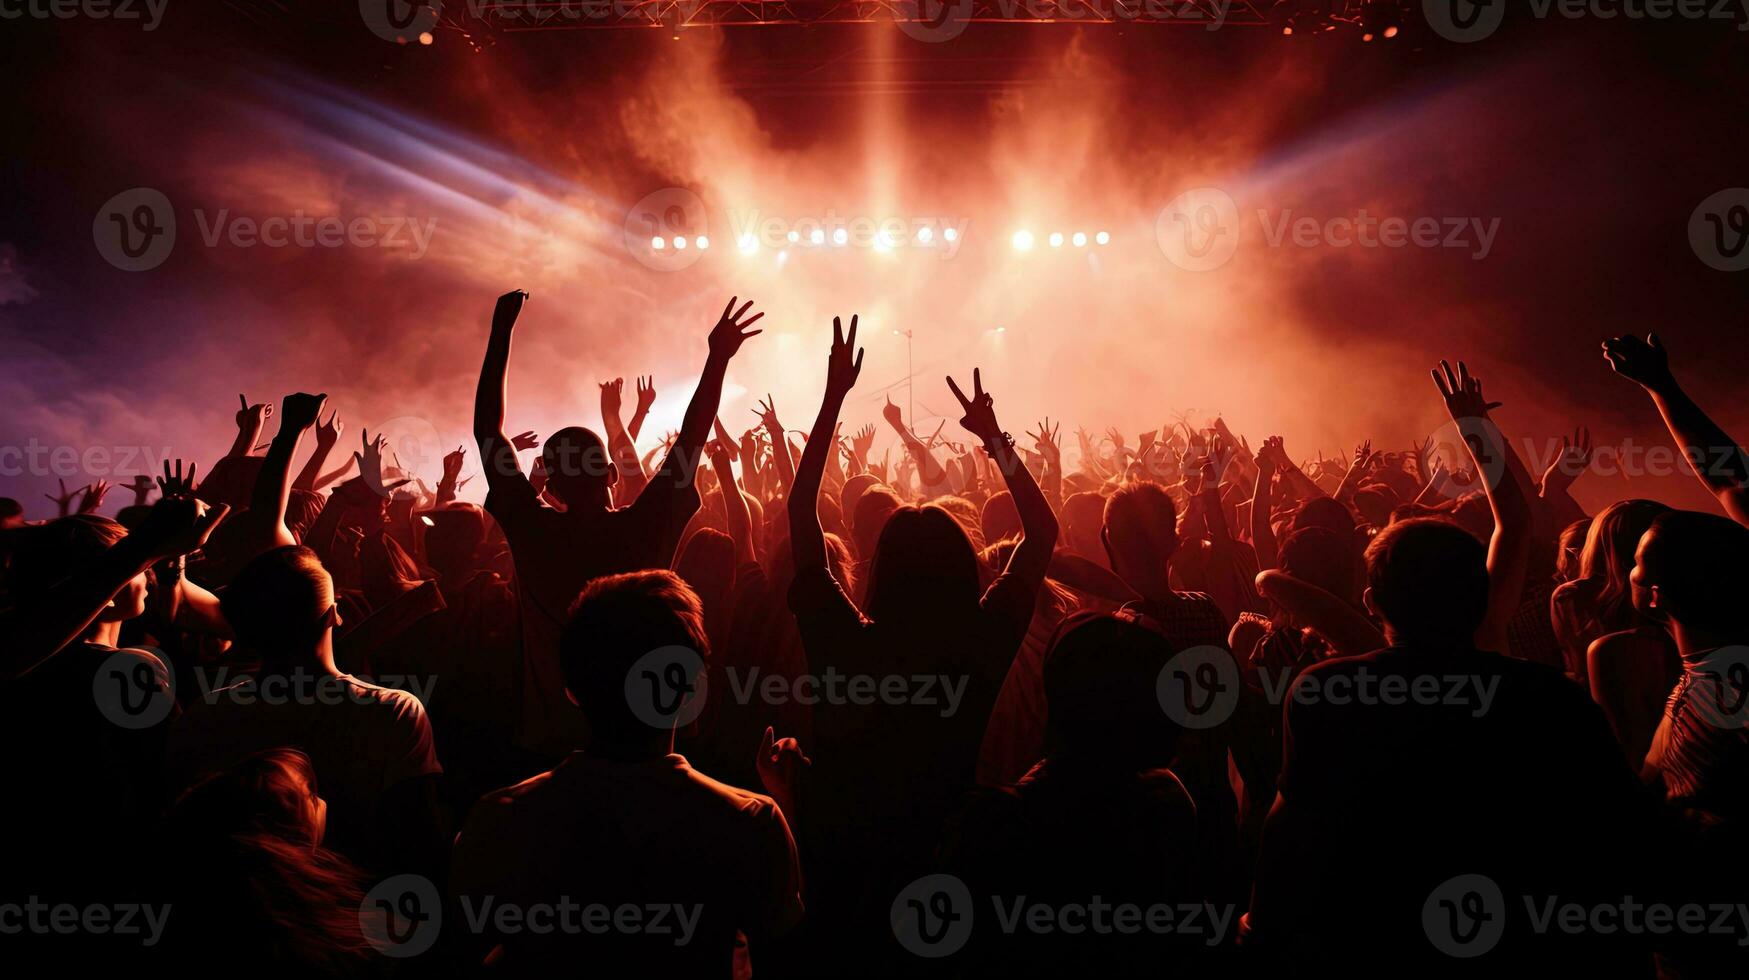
{"x": 766, "y": 704}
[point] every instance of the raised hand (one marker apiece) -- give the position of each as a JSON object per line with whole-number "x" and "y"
{"x": 328, "y": 433}
{"x": 508, "y": 309}
{"x": 452, "y": 464}
{"x": 1462, "y": 392}
{"x": 141, "y": 485}
{"x": 370, "y": 465}
{"x": 1575, "y": 454}
{"x": 646, "y": 392}
{"x": 892, "y": 413}
{"x": 610, "y": 392}
{"x": 1046, "y": 441}
{"x": 301, "y": 411}
{"x": 524, "y": 441}
{"x": 767, "y": 412}
{"x": 1364, "y": 456}
{"x": 93, "y": 497}
{"x": 841, "y": 369}
{"x": 65, "y": 500}
{"x": 1642, "y": 361}
{"x": 862, "y": 441}
{"x": 724, "y": 440}
{"x": 731, "y": 330}
{"x": 177, "y": 485}
{"x": 252, "y": 415}
{"x": 1271, "y": 456}
{"x": 980, "y": 417}
{"x": 779, "y": 764}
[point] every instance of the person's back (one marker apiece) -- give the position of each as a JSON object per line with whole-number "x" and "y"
{"x": 1435, "y": 797}
{"x": 630, "y": 857}
{"x": 689, "y": 860}
{"x": 366, "y": 742}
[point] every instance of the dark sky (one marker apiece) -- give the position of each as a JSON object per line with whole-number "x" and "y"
{"x": 1586, "y": 145}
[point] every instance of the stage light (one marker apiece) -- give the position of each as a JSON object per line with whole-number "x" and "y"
{"x": 817, "y": 237}
{"x": 1391, "y": 31}
{"x": 840, "y": 236}
{"x": 702, "y": 242}
{"x": 1023, "y": 240}
{"x": 749, "y": 244}
{"x": 925, "y": 234}
{"x": 1287, "y": 32}
{"x": 658, "y": 243}
{"x": 1001, "y": 329}
{"x": 1366, "y": 37}
{"x": 426, "y": 38}
{"x": 679, "y": 241}
{"x": 1103, "y": 238}
{"x": 895, "y": 333}
{"x": 795, "y": 236}
{"x": 951, "y": 234}
{"x": 1056, "y": 239}
{"x": 1080, "y": 239}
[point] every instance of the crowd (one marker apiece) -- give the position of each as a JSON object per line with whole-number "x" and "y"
{"x": 979, "y": 708}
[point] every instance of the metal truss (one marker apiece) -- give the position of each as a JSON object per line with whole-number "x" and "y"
{"x": 941, "y": 18}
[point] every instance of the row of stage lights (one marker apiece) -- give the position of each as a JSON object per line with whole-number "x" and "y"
{"x": 1022, "y": 240}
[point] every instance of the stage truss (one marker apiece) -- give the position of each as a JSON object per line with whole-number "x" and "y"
{"x": 929, "y": 17}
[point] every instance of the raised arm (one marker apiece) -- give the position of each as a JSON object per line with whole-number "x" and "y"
{"x": 327, "y": 434}
{"x": 33, "y": 632}
{"x": 780, "y": 457}
{"x": 735, "y": 511}
{"x": 1507, "y": 485}
{"x": 632, "y": 473}
{"x": 1032, "y": 556}
{"x": 807, "y": 543}
{"x": 695, "y": 426}
{"x": 1716, "y": 458}
{"x": 497, "y": 455}
{"x": 1047, "y": 441}
{"x": 250, "y": 421}
{"x": 1270, "y": 456}
{"x": 267, "y": 504}
{"x": 928, "y": 470}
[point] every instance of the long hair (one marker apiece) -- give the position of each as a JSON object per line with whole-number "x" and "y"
{"x": 924, "y": 564}
{"x": 247, "y": 853}
{"x": 1608, "y": 557}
